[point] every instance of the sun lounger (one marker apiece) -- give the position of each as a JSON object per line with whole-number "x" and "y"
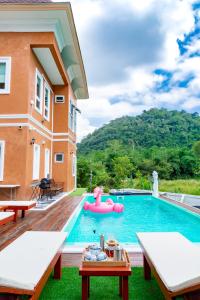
{"x": 18, "y": 205}
{"x": 174, "y": 261}
{"x": 6, "y": 217}
{"x": 27, "y": 263}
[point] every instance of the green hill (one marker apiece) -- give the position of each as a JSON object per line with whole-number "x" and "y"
{"x": 156, "y": 127}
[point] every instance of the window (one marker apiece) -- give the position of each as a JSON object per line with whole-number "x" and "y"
{"x": 75, "y": 120}
{"x": 36, "y": 161}
{"x": 47, "y": 163}
{"x": 39, "y": 92}
{"x": 72, "y": 116}
{"x": 5, "y": 71}
{"x": 2, "y": 152}
{"x": 59, "y": 157}
{"x": 47, "y": 95}
{"x": 74, "y": 165}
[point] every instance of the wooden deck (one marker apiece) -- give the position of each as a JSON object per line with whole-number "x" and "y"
{"x": 52, "y": 219}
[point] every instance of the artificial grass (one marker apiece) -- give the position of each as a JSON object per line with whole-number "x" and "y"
{"x": 78, "y": 192}
{"x": 101, "y": 288}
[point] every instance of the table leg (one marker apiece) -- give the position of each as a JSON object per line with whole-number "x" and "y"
{"x": 84, "y": 287}
{"x": 147, "y": 269}
{"x": 15, "y": 216}
{"x": 88, "y": 285}
{"x": 11, "y": 193}
{"x": 23, "y": 214}
{"x": 58, "y": 269}
{"x": 125, "y": 288}
{"x": 120, "y": 286}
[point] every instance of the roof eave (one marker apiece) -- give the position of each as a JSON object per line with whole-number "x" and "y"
{"x": 82, "y": 91}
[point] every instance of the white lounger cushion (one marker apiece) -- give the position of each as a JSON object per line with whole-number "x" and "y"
{"x": 5, "y": 215}
{"x": 175, "y": 258}
{"x": 16, "y": 203}
{"x": 23, "y": 262}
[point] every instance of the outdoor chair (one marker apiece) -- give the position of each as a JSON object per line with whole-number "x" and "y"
{"x": 50, "y": 188}
{"x": 56, "y": 187}
{"x": 44, "y": 188}
{"x": 174, "y": 261}
{"x": 27, "y": 263}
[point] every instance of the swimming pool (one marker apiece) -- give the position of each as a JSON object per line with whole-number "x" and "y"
{"x": 141, "y": 213}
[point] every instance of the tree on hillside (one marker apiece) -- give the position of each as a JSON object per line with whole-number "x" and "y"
{"x": 156, "y": 127}
{"x": 83, "y": 171}
{"x": 122, "y": 168}
{"x": 196, "y": 149}
{"x": 125, "y": 152}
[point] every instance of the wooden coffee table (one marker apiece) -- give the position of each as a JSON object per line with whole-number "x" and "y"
{"x": 121, "y": 272}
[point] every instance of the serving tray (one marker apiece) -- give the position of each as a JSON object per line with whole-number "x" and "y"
{"x": 110, "y": 262}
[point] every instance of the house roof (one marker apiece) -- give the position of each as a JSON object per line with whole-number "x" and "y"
{"x": 48, "y": 15}
{"x": 26, "y": 1}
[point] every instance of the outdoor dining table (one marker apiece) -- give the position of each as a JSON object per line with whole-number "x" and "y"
{"x": 13, "y": 189}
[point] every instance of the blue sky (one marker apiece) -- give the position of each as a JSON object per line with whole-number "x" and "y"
{"x": 138, "y": 55}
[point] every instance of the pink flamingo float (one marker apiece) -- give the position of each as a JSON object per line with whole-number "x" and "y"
{"x": 103, "y": 207}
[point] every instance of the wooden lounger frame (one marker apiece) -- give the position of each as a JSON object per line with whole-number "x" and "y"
{"x": 7, "y": 220}
{"x": 34, "y": 294}
{"x": 169, "y": 295}
{"x": 23, "y": 208}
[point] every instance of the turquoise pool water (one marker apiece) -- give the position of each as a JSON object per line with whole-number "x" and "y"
{"x": 141, "y": 213}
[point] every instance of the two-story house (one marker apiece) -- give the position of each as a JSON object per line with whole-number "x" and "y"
{"x": 41, "y": 77}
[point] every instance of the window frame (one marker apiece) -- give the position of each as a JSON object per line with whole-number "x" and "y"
{"x": 56, "y": 161}
{"x": 74, "y": 165}
{"x": 46, "y": 86}
{"x": 75, "y": 121}
{"x": 7, "y": 61}
{"x": 71, "y": 112}
{"x": 2, "y": 159}
{"x": 72, "y": 116}
{"x": 36, "y": 164}
{"x": 38, "y": 74}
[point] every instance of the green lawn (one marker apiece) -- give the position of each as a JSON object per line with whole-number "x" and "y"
{"x": 78, "y": 192}
{"x": 102, "y": 288}
{"x": 189, "y": 186}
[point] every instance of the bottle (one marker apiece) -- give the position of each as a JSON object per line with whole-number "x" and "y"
{"x": 102, "y": 242}
{"x": 118, "y": 253}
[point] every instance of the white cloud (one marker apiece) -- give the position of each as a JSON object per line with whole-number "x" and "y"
{"x": 134, "y": 78}
{"x": 83, "y": 127}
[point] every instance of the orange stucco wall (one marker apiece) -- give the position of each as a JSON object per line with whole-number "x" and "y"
{"x": 61, "y": 111}
{"x": 18, "y": 168}
{"x": 14, "y": 159}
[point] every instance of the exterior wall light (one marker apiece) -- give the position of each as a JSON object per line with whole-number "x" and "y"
{"x": 33, "y": 141}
